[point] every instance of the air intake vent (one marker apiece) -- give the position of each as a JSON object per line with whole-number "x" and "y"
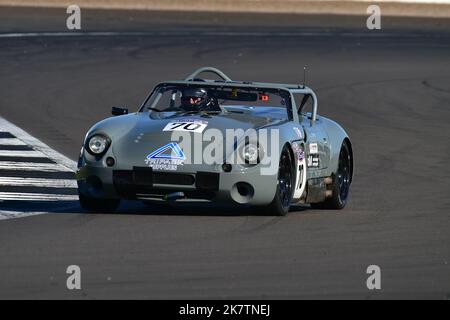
{"x": 173, "y": 178}
{"x": 207, "y": 181}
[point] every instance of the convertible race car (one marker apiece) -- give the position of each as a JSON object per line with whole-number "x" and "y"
{"x": 218, "y": 140}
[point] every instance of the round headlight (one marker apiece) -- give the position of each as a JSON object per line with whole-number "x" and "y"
{"x": 251, "y": 153}
{"x": 98, "y": 144}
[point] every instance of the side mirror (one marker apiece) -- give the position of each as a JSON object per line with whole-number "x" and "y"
{"x": 116, "y": 111}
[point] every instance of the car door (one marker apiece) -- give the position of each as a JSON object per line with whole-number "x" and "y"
{"x": 317, "y": 147}
{"x": 317, "y": 144}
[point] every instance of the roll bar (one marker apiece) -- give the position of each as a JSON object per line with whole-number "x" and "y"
{"x": 302, "y": 90}
{"x": 309, "y": 91}
{"x": 216, "y": 71}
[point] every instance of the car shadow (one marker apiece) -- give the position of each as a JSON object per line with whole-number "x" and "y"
{"x": 139, "y": 208}
{"x": 22, "y": 206}
{"x": 186, "y": 209}
{"x": 195, "y": 209}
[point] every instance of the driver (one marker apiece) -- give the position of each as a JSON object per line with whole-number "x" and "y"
{"x": 194, "y": 99}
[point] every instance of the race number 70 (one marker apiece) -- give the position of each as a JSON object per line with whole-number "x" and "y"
{"x": 185, "y": 126}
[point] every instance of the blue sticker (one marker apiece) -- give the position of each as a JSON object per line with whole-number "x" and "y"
{"x": 160, "y": 153}
{"x": 161, "y": 159}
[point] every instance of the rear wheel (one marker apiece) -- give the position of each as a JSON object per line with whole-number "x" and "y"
{"x": 98, "y": 205}
{"x": 283, "y": 194}
{"x": 341, "y": 182}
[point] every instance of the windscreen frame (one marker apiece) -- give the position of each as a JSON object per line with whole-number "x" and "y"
{"x": 290, "y": 103}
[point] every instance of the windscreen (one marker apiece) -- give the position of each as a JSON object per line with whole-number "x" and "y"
{"x": 189, "y": 98}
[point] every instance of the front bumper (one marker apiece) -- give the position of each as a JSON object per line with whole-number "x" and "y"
{"x": 246, "y": 186}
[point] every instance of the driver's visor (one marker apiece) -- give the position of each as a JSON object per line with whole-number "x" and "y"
{"x": 191, "y": 100}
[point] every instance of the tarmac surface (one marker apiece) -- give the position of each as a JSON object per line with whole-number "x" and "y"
{"x": 389, "y": 88}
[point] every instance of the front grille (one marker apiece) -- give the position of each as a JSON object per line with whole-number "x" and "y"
{"x": 207, "y": 181}
{"x": 143, "y": 176}
{"x": 141, "y": 180}
{"x": 124, "y": 184}
{"x": 173, "y": 178}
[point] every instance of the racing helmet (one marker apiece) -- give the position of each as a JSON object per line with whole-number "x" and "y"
{"x": 193, "y": 98}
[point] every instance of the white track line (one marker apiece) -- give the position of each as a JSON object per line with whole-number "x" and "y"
{"x": 11, "y": 142}
{"x": 27, "y": 166}
{"x": 5, "y": 125}
{"x": 22, "y": 153}
{"x": 37, "y": 182}
{"x": 63, "y": 164}
{"x": 36, "y": 196}
{"x": 7, "y": 214}
{"x": 211, "y": 34}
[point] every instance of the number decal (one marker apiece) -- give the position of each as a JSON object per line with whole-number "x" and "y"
{"x": 175, "y": 125}
{"x": 192, "y": 126}
{"x": 186, "y": 126}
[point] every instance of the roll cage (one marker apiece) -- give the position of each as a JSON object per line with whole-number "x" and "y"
{"x": 194, "y": 78}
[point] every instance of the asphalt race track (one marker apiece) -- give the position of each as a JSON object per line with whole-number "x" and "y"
{"x": 390, "y": 89}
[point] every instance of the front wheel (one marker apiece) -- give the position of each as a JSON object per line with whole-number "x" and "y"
{"x": 284, "y": 191}
{"x": 98, "y": 205}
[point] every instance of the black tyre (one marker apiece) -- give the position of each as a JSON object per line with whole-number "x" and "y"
{"x": 285, "y": 185}
{"x": 341, "y": 182}
{"x": 98, "y": 205}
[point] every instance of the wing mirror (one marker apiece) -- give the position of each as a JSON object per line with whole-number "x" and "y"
{"x": 116, "y": 111}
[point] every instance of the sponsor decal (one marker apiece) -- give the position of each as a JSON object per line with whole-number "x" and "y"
{"x": 168, "y": 157}
{"x": 300, "y": 169}
{"x": 188, "y": 125}
{"x": 313, "y": 149}
{"x": 298, "y": 150}
{"x": 313, "y": 161}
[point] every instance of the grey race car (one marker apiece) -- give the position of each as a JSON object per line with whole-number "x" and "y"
{"x": 223, "y": 141}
